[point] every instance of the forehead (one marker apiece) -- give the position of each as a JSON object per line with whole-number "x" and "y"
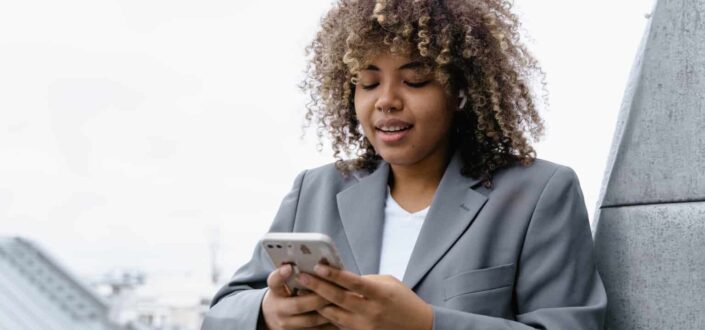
{"x": 387, "y": 61}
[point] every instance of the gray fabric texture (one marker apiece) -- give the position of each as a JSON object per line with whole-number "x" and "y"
{"x": 517, "y": 256}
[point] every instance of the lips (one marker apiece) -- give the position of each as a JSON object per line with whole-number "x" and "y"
{"x": 392, "y": 125}
{"x": 392, "y": 130}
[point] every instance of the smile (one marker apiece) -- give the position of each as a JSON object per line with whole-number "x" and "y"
{"x": 394, "y": 128}
{"x": 393, "y": 135}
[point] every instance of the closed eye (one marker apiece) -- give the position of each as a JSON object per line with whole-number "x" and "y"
{"x": 410, "y": 84}
{"x": 368, "y": 87}
{"x": 417, "y": 85}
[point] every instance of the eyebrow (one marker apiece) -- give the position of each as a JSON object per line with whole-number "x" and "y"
{"x": 407, "y": 66}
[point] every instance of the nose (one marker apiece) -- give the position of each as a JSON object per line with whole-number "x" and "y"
{"x": 388, "y": 99}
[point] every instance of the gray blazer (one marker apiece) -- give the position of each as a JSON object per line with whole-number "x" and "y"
{"x": 517, "y": 256}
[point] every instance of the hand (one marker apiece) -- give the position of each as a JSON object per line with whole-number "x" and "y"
{"x": 367, "y": 302}
{"x": 281, "y": 311}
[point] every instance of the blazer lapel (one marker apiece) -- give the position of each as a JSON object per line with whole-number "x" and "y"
{"x": 361, "y": 208}
{"x": 453, "y": 209}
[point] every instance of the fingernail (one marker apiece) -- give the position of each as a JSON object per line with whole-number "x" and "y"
{"x": 321, "y": 270}
{"x": 303, "y": 278}
{"x": 285, "y": 270}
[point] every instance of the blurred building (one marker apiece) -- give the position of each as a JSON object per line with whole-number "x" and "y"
{"x": 160, "y": 302}
{"x": 36, "y": 292}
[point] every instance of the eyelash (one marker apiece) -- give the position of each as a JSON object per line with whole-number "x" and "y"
{"x": 412, "y": 85}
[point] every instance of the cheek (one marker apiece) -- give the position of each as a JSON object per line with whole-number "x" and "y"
{"x": 362, "y": 110}
{"x": 441, "y": 126}
{"x": 438, "y": 114}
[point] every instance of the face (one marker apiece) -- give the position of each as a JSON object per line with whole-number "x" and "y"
{"x": 404, "y": 113}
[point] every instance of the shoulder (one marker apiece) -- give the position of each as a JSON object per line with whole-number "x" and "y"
{"x": 328, "y": 178}
{"x": 543, "y": 190}
{"x": 536, "y": 176}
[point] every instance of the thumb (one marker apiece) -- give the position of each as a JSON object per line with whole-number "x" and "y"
{"x": 277, "y": 280}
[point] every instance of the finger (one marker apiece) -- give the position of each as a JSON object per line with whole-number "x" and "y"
{"x": 331, "y": 292}
{"x": 277, "y": 280}
{"x": 308, "y": 320}
{"x": 326, "y": 326}
{"x": 336, "y": 315}
{"x": 304, "y": 304}
{"x": 345, "y": 279}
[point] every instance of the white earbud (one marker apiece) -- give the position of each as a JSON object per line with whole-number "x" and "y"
{"x": 463, "y": 99}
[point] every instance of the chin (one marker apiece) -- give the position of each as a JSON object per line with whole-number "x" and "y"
{"x": 398, "y": 157}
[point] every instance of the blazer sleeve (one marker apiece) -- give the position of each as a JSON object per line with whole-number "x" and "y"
{"x": 557, "y": 285}
{"x": 237, "y": 304}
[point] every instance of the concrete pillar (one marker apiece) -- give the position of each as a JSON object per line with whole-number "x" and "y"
{"x": 650, "y": 229}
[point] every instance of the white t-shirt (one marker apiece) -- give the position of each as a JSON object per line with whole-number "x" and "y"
{"x": 401, "y": 229}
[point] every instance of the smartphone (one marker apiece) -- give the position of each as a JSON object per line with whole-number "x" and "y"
{"x": 302, "y": 251}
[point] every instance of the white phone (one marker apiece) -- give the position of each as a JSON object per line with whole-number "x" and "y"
{"x": 302, "y": 251}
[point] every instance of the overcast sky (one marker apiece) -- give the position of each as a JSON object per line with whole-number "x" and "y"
{"x": 130, "y": 131}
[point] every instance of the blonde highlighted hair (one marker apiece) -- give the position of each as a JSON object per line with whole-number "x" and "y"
{"x": 473, "y": 45}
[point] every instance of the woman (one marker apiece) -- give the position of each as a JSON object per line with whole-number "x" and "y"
{"x": 443, "y": 197}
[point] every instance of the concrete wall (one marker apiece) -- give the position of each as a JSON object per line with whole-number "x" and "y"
{"x": 650, "y": 229}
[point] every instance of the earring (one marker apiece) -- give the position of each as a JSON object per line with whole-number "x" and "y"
{"x": 463, "y": 99}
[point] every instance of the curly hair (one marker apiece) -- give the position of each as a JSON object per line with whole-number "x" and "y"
{"x": 470, "y": 45}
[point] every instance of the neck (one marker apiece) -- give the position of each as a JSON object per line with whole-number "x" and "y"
{"x": 417, "y": 183}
